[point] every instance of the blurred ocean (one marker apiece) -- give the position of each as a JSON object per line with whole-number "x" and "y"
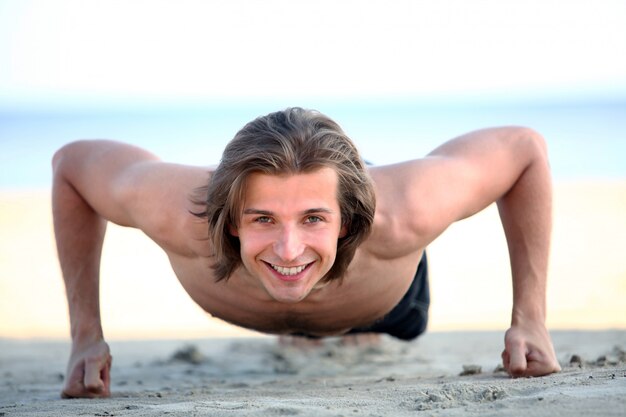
{"x": 587, "y": 140}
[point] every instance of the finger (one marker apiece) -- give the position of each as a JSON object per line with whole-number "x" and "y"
{"x": 505, "y": 359}
{"x": 68, "y": 392}
{"x": 106, "y": 377}
{"x": 93, "y": 369}
{"x": 74, "y": 381}
{"x": 539, "y": 365}
{"x": 517, "y": 360}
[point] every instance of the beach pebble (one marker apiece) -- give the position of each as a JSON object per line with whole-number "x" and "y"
{"x": 576, "y": 360}
{"x": 471, "y": 370}
{"x": 619, "y": 353}
{"x": 189, "y": 354}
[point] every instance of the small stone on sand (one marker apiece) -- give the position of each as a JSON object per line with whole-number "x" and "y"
{"x": 471, "y": 370}
{"x": 189, "y": 354}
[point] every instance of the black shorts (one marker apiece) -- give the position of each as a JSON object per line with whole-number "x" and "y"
{"x": 409, "y": 317}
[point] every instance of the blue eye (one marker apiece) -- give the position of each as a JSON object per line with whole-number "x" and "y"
{"x": 263, "y": 219}
{"x": 313, "y": 219}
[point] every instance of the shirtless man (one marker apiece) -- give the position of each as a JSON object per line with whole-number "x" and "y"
{"x": 302, "y": 238}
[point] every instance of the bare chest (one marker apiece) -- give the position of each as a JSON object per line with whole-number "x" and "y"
{"x": 369, "y": 291}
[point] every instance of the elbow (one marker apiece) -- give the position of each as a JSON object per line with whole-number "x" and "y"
{"x": 534, "y": 142}
{"x": 58, "y": 159}
{"x": 63, "y": 156}
{"x": 528, "y": 146}
{"x": 533, "y": 155}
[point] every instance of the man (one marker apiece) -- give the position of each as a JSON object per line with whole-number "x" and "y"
{"x": 302, "y": 238}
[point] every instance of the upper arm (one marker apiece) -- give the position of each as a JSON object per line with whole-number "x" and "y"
{"x": 99, "y": 171}
{"x": 130, "y": 186}
{"x": 456, "y": 180}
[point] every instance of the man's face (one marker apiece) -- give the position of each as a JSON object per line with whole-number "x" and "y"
{"x": 289, "y": 231}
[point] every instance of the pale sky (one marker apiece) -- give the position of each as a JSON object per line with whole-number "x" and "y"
{"x": 186, "y": 50}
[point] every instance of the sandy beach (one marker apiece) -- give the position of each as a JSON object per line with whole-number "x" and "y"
{"x": 256, "y": 377}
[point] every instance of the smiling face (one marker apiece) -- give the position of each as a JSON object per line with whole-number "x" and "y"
{"x": 289, "y": 231}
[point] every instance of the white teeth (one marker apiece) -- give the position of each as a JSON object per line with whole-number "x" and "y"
{"x": 288, "y": 271}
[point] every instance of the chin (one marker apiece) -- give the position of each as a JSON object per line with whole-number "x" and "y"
{"x": 289, "y": 291}
{"x": 288, "y": 297}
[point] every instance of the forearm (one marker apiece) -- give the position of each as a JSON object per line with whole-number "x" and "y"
{"x": 526, "y": 214}
{"x": 79, "y": 233}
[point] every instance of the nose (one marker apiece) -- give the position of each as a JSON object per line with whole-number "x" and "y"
{"x": 288, "y": 245}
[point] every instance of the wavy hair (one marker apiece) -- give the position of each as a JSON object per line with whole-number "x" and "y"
{"x": 289, "y": 142}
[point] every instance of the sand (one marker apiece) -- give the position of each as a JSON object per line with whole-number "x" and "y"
{"x": 256, "y": 377}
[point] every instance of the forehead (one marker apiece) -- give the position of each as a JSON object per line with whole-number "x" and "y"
{"x": 312, "y": 189}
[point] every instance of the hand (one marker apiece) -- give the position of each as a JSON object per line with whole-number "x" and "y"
{"x": 528, "y": 351}
{"x": 88, "y": 371}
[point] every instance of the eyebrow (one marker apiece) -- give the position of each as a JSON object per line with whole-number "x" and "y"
{"x": 270, "y": 213}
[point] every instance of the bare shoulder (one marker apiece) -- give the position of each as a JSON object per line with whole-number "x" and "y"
{"x": 400, "y": 223}
{"x": 132, "y": 187}
{"x": 161, "y": 199}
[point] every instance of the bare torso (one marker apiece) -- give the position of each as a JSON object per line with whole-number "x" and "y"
{"x": 370, "y": 289}
{"x": 373, "y": 285}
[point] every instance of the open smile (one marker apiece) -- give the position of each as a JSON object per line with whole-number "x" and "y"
{"x": 288, "y": 271}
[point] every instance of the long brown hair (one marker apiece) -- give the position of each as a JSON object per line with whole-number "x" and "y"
{"x": 291, "y": 141}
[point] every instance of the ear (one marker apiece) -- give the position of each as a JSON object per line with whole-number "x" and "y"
{"x": 233, "y": 230}
{"x": 343, "y": 231}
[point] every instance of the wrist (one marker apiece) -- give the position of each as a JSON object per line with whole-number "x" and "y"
{"x": 86, "y": 333}
{"x": 527, "y": 315}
